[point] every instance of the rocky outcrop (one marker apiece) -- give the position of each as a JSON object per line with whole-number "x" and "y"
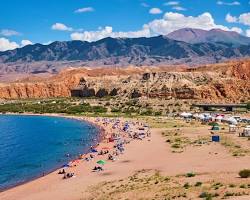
{"x": 229, "y": 82}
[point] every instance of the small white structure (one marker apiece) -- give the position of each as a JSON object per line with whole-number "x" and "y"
{"x": 196, "y": 116}
{"x": 246, "y": 132}
{"x": 232, "y": 128}
{"x": 237, "y": 118}
{"x": 186, "y": 115}
{"x": 201, "y": 117}
{"x": 232, "y": 120}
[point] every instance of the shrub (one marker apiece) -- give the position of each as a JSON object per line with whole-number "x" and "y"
{"x": 190, "y": 174}
{"x": 229, "y": 194}
{"x": 206, "y": 195}
{"x": 147, "y": 112}
{"x": 186, "y": 185}
{"x": 158, "y": 113}
{"x": 115, "y": 110}
{"x": 248, "y": 105}
{"x": 197, "y": 184}
{"x": 245, "y": 173}
{"x": 176, "y": 146}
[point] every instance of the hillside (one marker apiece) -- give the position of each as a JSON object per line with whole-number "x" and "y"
{"x": 158, "y": 51}
{"x": 225, "y": 82}
{"x": 191, "y": 35}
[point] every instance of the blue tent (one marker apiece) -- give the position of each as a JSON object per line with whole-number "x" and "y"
{"x": 215, "y": 138}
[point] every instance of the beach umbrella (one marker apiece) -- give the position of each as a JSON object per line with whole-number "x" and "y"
{"x": 101, "y": 162}
{"x": 93, "y": 150}
{"x": 219, "y": 118}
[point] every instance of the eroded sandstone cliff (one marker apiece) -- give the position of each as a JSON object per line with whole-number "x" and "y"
{"x": 225, "y": 82}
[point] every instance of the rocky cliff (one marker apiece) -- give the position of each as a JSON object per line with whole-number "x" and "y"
{"x": 225, "y": 82}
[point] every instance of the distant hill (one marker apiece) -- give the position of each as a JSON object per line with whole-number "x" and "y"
{"x": 200, "y": 47}
{"x": 193, "y": 36}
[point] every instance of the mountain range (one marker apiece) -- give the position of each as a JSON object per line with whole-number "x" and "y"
{"x": 184, "y": 46}
{"x": 194, "y": 36}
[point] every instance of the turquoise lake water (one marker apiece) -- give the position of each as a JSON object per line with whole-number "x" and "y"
{"x": 31, "y": 146}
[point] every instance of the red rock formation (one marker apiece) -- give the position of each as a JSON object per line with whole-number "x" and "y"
{"x": 212, "y": 83}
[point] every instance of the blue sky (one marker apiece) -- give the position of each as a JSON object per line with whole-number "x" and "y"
{"x": 41, "y": 21}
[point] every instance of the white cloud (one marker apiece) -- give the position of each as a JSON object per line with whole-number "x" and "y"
{"x": 175, "y": 5}
{"x": 248, "y": 32}
{"x": 233, "y": 3}
{"x": 171, "y": 21}
{"x": 237, "y": 29}
{"x": 174, "y": 21}
{"x": 5, "y": 44}
{"x": 144, "y": 5}
{"x": 179, "y": 8}
{"x": 231, "y": 19}
{"x": 8, "y": 32}
{"x": 25, "y": 42}
{"x": 47, "y": 43}
{"x": 245, "y": 18}
{"x": 61, "y": 27}
{"x": 92, "y": 35}
{"x": 171, "y": 3}
{"x": 108, "y": 32}
{"x": 155, "y": 11}
{"x": 83, "y": 10}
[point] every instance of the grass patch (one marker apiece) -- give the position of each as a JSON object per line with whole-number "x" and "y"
{"x": 234, "y": 149}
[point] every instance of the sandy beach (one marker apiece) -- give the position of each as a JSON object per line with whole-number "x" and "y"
{"x": 211, "y": 162}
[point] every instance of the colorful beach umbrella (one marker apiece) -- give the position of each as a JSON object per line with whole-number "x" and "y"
{"x": 101, "y": 162}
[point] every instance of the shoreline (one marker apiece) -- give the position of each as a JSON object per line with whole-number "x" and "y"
{"x": 210, "y": 162}
{"x": 99, "y": 139}
{"x": 84, "y": 178}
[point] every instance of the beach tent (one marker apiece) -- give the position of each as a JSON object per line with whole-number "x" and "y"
{"x": 232, "y": 120}
{"x": 219, "y": 118}
{"x": 205, "y": 117}
{"x": 186, "y": 115}
{"x": 201, "y": 117}
{"x": 215, "y": 128}
{"x": 196, "y": 116}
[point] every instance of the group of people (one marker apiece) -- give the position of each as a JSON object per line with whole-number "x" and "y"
{"x": 66, "y": 175}
{"x": 103, "y": 152}
{"x": 120, "y": 133}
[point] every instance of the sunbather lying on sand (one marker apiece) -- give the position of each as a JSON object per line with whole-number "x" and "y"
{"x": 97, "y": 168}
